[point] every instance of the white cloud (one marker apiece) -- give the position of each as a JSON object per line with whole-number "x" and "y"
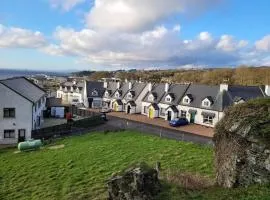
{"x": 229, "y": 43}
{"x": 20, "y": 38}
{"x": 65, "y": 5}
{"x": 137, "y": 15}
{"x": 263, "y": 44}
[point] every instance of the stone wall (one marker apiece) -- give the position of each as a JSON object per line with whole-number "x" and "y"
{"x": 242, "y": 145}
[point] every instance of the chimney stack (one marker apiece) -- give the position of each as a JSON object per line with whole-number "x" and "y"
{"x": 105, "y": 85}
{"x": 166, "y": 87}
{"x": 150, "y": 87}
{"x": 223, "y": 87}
{"x": 129, "y": 85}
{"x": 267, "y": 90}
{"x": 118, "y": 85}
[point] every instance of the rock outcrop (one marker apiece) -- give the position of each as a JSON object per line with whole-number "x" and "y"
{"x": 137, "y": 183}
{"x": 242, "y": 145}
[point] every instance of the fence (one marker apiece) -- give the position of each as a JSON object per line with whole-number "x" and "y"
{"x": 91, "y": 120}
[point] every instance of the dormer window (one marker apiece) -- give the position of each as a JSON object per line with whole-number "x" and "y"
{"x": 207, "y": 102}
{"x": 129, "y": 96}
{"x": 186, "y": 100}
{"x": 106, "y": 94}
{"x": 117, "y": 95}
{"x": 168, "y": 99}
{"x": 94, "y": 93}
{"x": 151, "y": 97}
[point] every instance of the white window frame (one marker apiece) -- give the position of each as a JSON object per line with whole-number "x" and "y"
{"x": 94, "y": 93}
{"x": 151, "y": 97}
{"x": 145, "y": 109}
{"x": 183, "y": 114}
{"x": 161, "y": 113}
{"x": 206, "y": 103}
{"x": 168, "y": 99}
{"x": 129, "y": 96}
{"x": 117, "y": 95}
{"x": 208, "y": 120}
{"x": 186, "y": 100}
{"x": 106, "y": 94}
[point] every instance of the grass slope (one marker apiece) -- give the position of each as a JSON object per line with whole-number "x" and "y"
{"x": 81, "y": 168}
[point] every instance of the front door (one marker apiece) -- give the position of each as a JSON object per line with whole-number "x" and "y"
{"x": 115, "y": 107}
{"x": 169, "y": 118}
{"x": 192, "y": 117}
{"x": 90, "y": 101}
{"x": 151, "y": 113}
{"x": 21, "y": 135}
{"x": 128, "y": 109}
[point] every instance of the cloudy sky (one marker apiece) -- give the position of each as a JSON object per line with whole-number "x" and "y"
{"x": 124, "y": 34}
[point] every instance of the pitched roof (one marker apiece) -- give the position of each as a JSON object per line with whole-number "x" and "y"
{"x": 136, "y": 90}
{"x": 158, "y": 90}
{"x": 25, "y": 88}
{"x": 92, "y": 86}
{"x": 177, "y": 92}
{"x": 200, "y": 92}
{"x": 245, "y": 92}
{"x": 123, "y": 90}
{"x": 112, "y": 87}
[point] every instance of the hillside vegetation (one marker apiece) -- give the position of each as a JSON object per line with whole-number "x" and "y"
{"x": 80, "y": 169}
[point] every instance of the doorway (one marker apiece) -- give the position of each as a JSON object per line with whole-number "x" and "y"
{"x": 169, "y": 117}
{"x": 192, "y": 117}
{"x": 128, "y": 109}
{"x": 21, "y": 135}
{"x": 151, "y": 113}
{"x": 90, "y": 101}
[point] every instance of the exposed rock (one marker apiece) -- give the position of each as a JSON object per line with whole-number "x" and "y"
{"x": 137, "y": 183}
{"x": 242, "y": 145}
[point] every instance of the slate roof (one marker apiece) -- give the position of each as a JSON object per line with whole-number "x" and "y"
{"x": 122, "y": 90}
{"x": 158, "y": 90}
{"x": 95, "y": 85}
{"x": 177, "y": 92}
{"x": 245, "y": 92}
{"x": 136, "y": 90}
{"x": 200, "y": 92}
{"x": 55, "y": 102}
{"x": 112, "y": 87}
{"x": 25, "y": 88}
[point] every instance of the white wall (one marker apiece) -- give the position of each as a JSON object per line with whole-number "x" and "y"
{"x": 199, "y": 117}
{"x": 23, "y": 114}
{"x": 147, "y": 105}
{"x": 163, "y": 106}
{"x": 138, "y": 101}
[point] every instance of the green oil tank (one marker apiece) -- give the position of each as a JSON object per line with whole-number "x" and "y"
{"x": 29, "y": 145}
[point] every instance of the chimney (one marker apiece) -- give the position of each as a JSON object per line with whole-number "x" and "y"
{"x": 166, "y": 87}
{"x": 105, "y": 85}
{"x": 129, "y": 85}
{"x": 74, "y": 82}
{"x": 150, "y": 87}
{"x": 223, "y": 87}
{"x": 118, "y": 85}
{"x": 267, "y": 90}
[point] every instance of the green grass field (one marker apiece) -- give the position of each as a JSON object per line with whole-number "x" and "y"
{"x": 81, "y": 168}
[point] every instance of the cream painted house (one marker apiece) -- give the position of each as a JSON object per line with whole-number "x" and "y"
{"x": 21, "y": 109}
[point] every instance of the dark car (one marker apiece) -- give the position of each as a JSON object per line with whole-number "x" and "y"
{"x": 178, "y": 122}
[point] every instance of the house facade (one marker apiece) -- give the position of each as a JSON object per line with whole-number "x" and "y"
{"x": 93, "y": 94}
{"x": 71, "y": 92}
{"x": 21, "y": 109}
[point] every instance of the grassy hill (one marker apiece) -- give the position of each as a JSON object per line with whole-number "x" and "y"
{"x": 81, "y": 168}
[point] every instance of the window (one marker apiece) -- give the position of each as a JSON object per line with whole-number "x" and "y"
{"x": 206, "y": 103}
{"x": 117, "y": 95}
{"x": 95, "y": 93}
{"x": 208, "y": 119}
{"x": 9, "y": 112}
{"x": 183, "y": 114}
{"x": 97, "y": 103}
{"x": 151, "y": 98}
{"x": 162, "y": 112}
{"x": 106, "y": 94}
{"x": 168, "y": 99}
{"x": 9, "y": 133}
{"x": 129, "y": 96}
{"x": 145, "y": 110}
{"x": 186, "y": 100}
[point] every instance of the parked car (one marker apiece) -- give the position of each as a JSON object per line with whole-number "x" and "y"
{"x": 178, "y": 122}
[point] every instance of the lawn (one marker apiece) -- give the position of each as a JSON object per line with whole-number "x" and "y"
{"x": 81, "y": 168}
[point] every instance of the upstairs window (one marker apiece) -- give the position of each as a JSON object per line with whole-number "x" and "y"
{"x": 9, "y": 112}
{"x": 168, "y": 99}
{"x": 206, "y": 103}
{"x": 151, "y": 98}
{"x": 129, "y": 96}
{"x": 186, "y": 100}
{"x": 183, "y": 114}
{"x": 95, "y": 93}
{"x": 117, "y": 95}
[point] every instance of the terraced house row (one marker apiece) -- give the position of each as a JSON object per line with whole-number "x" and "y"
{"x": 200, "y": 104}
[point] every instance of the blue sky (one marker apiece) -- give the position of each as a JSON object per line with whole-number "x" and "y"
{"x": 116, "y": 34}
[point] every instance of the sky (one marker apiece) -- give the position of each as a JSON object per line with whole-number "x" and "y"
{"x": 74, "y": 35}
